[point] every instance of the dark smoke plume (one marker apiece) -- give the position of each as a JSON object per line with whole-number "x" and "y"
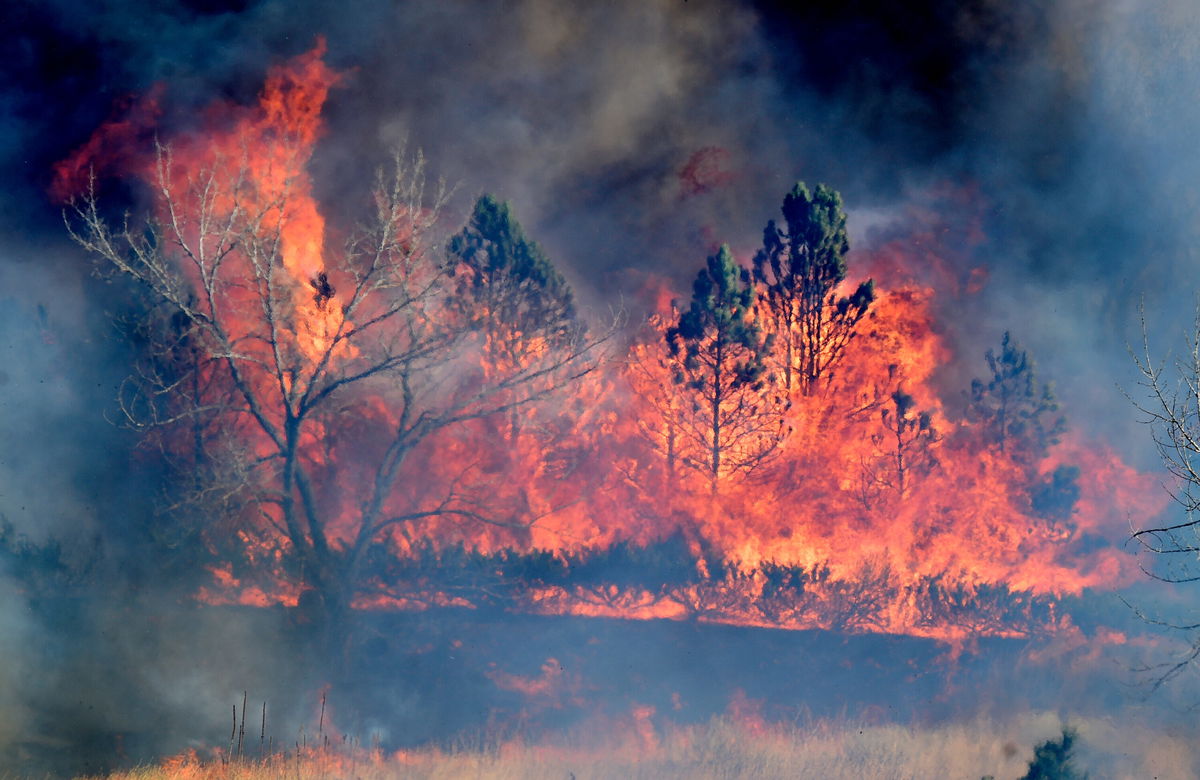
{"x": 632, "y": 138}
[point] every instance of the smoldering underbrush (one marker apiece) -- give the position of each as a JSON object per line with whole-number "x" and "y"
{"x": 728, "y": 748}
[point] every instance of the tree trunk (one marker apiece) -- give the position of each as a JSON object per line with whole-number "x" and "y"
{"x": 331, "y": 629}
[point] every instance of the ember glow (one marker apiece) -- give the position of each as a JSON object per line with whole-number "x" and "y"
{"x": 863, "y": 518}
{"x": 580, "y": 379}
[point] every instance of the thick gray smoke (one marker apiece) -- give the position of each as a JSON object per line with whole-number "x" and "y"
{"x": 631, "y": 138}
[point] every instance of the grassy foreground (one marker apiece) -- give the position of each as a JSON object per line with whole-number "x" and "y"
{"x": 722, "y": 749}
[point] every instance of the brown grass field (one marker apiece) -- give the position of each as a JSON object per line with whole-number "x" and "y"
{"x": 1118, "y": 748}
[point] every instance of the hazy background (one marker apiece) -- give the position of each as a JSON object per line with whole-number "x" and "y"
{"x": 1052, "y": 143}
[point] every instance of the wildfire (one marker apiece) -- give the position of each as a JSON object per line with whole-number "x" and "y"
{"x": 879, "y": 508}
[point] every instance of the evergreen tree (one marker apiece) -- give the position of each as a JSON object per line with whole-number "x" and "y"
{"x": 799, "y": 270}
{"x": 508, "y": 287}
{"x": 903, "y": 451}
{"x": 1018, "y": 413}
{"x": 510, "y": 293}
{"x": 732, "y": 425}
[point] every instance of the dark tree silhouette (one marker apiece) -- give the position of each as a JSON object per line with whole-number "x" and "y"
{"x": 731, "y": 423}
{"x": 1054, "y": 759}
{"x": 799, "y": 269}
{"x": 903, "y": 449}
{"x": 507, "y": 287}
{"x": 509, "y": 293}
{"x": 276, "y": 402}
{"x": 1018, "y": 413}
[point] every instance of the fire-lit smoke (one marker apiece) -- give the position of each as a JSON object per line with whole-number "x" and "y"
{"x": 1004, "y": 169}
{"x": 860, "y": 520}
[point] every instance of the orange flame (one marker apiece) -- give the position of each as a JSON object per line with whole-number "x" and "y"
{"x": 869, "y": 550}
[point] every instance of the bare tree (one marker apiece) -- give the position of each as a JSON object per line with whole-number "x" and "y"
{"x": 651, "y": 371}
{"x": 1171, "y": 408}
{"x": 293, "y": 376}
{"x": 1170, "y": 405}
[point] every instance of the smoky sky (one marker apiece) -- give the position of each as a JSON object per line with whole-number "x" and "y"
{"x": 1048, "y": 146}
{"x": 631, "y": 139}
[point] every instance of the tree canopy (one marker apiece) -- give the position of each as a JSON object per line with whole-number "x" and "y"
{"x": 506, "y": 282}
{"x": 1018, "y": 413}
{"x": 800, "y": 268}
{"x": 731, "y": 423}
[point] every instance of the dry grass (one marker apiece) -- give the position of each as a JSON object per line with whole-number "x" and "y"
{"x": 722, "y": 749}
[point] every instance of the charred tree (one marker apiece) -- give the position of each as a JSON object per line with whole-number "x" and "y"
{"x": 799, "y": 271}
{"x": 290, "y": 374}
{"x": 731, "y": 421}
{"x": 904, "y": 449}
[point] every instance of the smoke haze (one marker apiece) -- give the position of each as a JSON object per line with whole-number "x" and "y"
{"x": 1047, "y": 147}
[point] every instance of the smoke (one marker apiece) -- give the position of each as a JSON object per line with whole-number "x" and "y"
{"x": 14, "y": 637}
{"x": 631, "y": 139}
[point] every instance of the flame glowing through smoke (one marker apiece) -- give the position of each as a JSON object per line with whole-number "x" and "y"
{"x": 821, "y": 536}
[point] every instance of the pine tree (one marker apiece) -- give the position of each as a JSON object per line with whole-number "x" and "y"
{"x": 799, "y": 270}
{"x": 509, "y": 292}
{"x": 1018, "y": 413}
{"x": 507, "y": 285}
{"x": 732, "y": 424}
{"x": 903, "y": 451}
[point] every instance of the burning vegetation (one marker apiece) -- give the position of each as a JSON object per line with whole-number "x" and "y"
{"x": 384, "y": 418}
{"x": 723, "y": 748}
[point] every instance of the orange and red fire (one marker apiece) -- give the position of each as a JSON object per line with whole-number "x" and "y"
{"x": 817, "y": 537}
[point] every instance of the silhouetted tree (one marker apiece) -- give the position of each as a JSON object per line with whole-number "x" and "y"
{"x": 1018, "y": 413}
{"x": 859, "y": 601}
{"x": 731, "y": 424}
{"x": 508, "y": 289}
{"x": 306, "y": 386}
{"x": 791, "y": 593}
{"x": 903, "y": 450}
{"x": 1054, "y": 759}
{"x": 943, "y": 600}
{"x": 522, "y": 312}
{"x": 629, "y": 575}
{"x": 799, "y": 270}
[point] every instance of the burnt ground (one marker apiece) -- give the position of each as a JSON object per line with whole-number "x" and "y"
{"x": 127, "y": 684}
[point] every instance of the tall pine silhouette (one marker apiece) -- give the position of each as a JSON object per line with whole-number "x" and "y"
{"x": 731, "y": 425}
{"x": 799, "y": 269}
